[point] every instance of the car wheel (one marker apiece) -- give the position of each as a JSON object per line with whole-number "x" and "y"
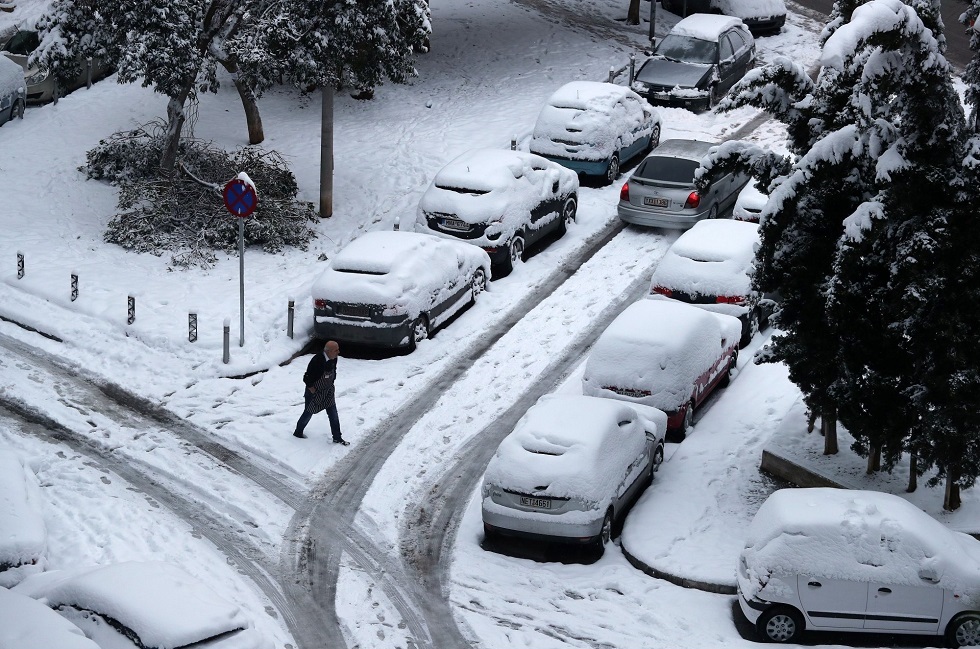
{"x": 18, "y": 110}
{"x": 712, "y": 96}
{"x": 964, "y": 631}
{"x": 752, "y": 328}
{"x": 419, "y": 331}
{"x": 658, "y": 457}
{"x": 713, "y": 212}
{"x": 780, "y": 624}
{"x": 479, "y": 283}
{"x": 612, "y": 171}
{"x": 567, "y": 216}
{"x": 688, "y": 418}
{"x": 654, "y": 138}
{"x": 727, "y": 379}
{"x": 605, "y": 534}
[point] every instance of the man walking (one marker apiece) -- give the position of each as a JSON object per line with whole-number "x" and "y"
{"x": 319, "y": 393}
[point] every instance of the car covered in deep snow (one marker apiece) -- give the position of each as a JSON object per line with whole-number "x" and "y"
{"x": 26, "y": 623}
{"x": 711, "y": 266}
{"x": 502, "y": 201}
{"x": 661, "y": 191}
{"x": 41, "y": 84}
{"x": 23, "y": 535}
{"x": 863, "y": 561}
{"x": 750, "y": 203}
{"x": 392, "y": 288}
{"x": 13, "y": 91}
{"x": 141, "y": 604}
{"x": 664, "y": 354}
{"x": 760, "y": 16}
{"x": 593, "y": 128}
{"x": 570, "y": 469}
{"x": 697, "y": 62}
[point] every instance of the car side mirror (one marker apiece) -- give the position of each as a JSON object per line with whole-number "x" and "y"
{"x": 929, "y": 574}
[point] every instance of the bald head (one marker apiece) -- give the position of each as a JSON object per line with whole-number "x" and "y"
{"x": 331, "y": 349}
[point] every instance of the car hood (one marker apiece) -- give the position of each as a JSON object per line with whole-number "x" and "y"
{"x": 662, "y": 72}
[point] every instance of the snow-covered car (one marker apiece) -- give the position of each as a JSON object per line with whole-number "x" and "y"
{"x": 23, "y": 535}
{"x": 502, "y": 201}
{"x": 392, "y": 289}
{"x": 141, "y": 604}
{"x": 710, "y": 266}
{"x": 863, "y": 561}
{"x": 41, "y": 84}
{"x": 571, "y": 468}
{"x": 750, "y": 203}
{"x": 593, "y": 127}
{"x": 760, "y": 16}
{"x": 664, "y": 354}
{"x": 26, "y": 623}
{"x": 661, "y": 192}
{"x": 697, "y": 62}
{"x": 13, "y": 91}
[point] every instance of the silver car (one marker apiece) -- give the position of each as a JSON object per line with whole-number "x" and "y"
{"x": 571, "y": 468}
{"x": 661, "y": 191}
{"x": 41, "y": 84}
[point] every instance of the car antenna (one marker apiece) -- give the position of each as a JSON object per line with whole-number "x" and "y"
{"x": 467, "y": 168}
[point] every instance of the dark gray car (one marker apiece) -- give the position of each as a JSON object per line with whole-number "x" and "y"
{"x": 661, "y": 191}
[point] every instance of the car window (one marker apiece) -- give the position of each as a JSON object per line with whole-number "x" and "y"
{"x": 726, "y": 51}
{"x": 463, "y": 190}
{"x": 23, "y": 43}
{"x": 685, "y": 48}
{"x": 739, "y": 41}
{"x": 670, "y": 170}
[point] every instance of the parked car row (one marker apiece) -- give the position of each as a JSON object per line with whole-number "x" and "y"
{"x": 41, "y": 85}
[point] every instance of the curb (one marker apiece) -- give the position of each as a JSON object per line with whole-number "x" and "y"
{"x": 722, "y": 589}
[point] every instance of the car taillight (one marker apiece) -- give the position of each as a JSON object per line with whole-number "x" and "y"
{"x": 319, "y": 304}
{"x": 624, "y": 193}
{"x": 730, "y": 299}
{"x": 661, "y": 290}
{"x": 693, "y": 200}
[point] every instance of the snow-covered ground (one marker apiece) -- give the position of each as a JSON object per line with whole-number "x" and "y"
{"x": 492, "y": 65}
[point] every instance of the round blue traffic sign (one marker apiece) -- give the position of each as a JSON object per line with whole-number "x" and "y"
{"x": 240, "y": 198}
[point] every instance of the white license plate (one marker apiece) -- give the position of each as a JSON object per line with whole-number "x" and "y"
{"x": 455, "y": 224}
{"x": 539, "y": 503}
{"x": 655, "y": 202}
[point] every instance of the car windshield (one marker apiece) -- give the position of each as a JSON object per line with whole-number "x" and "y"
{"x": 464, "y": 190}
{"x": 687, "y": 49}
{"x": 23, "y": 43}
{"x": 668, "y": 170}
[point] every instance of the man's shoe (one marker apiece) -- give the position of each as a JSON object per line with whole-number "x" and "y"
{"x": 342, "y": 442}
{"x": 300, "y": 435}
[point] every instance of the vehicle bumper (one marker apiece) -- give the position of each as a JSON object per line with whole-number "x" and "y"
{"x": 765, "y": 25}
{"x": 677, "y": 221}
{"x": 752, "y": 609}
{"x": 381, "y": 335}
{"x": 498, "y": 255}
{"x": 584, "y": 167}
{"x": 697, "y": 104}
{"x": 538, "y": 529}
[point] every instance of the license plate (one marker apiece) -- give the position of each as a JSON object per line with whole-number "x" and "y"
{"x": 539, "y": 503}
{"x": 455, "y": 224}
{"x": 655, "y": 202}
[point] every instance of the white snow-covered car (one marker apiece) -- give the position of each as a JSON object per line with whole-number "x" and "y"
{"x": 392, "y": 289}
{"x": 710, "y": 266}
{"x": 23, "y": 535}
{"x": 750, "y": 203}
{"x": 136, "y": 605}
{"x": 861, "y": 561}
{"x": 502, "y": 201}
{"x": 571, "y": 468}
{"x": 26, "y": 623}
{"x": 664, "y": 354}
{"x": 593, "y": 128}
{"x": 760, "y": 16}
{"x": 13, "y": 90}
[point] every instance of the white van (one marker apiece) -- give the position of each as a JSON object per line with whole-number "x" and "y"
{"x": 862, "y": 561}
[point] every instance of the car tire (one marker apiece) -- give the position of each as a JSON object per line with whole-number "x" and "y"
{"x": 478, "y": 283}
{"x": 752, "y": 328}
{"x": 612, "y": 170}
{"x": 713, "y": 212}
{"x": 605, "y": 533}
{"x": 418, "y": 332}
{"x": 515, "y": 252}
{"x": 18, "y": 110}
{"x": 964, "y": 631}
{"x": 567, "y": 215}
{"x": 654, "y": 139}
{"x": 713, "y": 96}
{"x": 727, "y": 378}
{"x": 781, "y": 624}
{"x": 688, "y": 418}
{"x": 658, "y": 458}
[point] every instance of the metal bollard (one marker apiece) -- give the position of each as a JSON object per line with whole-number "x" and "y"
{"x": 632, "y": 68}
{"x": 612, "y": 74}
{"x": 88, "y": 72}
{"x": 20, "y": 265}
{"x": 227, "y": 341}
{"x": 74, "y": 286}
{"x": 131, "y": 317}
{"x": 57, "y": 91}
{"x": 291, "y": 309}
{"x": 397, "y": 224}
{"x": 192, "y": 326}
{"x": 513, "y": 143}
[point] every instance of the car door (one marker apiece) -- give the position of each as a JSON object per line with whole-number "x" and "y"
{"x": 443, "y": 267}
{"x": 632, "y": 478}
{"x": 545, "y": 183}
{"x": 727, "y": 63}
{"x": 744, "y": 46}
{"x": 895, "y": 607}
{"x": 637, "y": 121}
{"x": 833, "y": 603}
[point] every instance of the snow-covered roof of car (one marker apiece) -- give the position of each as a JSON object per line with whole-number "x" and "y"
{"x": 570, "y": 446}
{"x": 26, "y": 623}
{"x": 859, "y": 536}
{"x": 23, "y": 536}
{"x": 589, "y": 95}
{"x": 11, "y": 76}
{"x": 705, "y": 27}
{"x": 681, "y": 148}
{"x": 381, "y": 252}
{"x": 164, "y": 605}
{"x": 484, "y": 170}
{"x": 712, "y": 258}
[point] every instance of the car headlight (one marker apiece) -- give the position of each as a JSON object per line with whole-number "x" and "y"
{"x": 37, "y": 76}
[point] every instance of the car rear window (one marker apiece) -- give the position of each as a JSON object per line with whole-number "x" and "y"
{"x": 23, "y": 43}
{"x": 668, "y": 170}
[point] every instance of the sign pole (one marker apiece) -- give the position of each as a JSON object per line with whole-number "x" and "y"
{"x": 241, "y": 276}
{"x": 241, "y": 200}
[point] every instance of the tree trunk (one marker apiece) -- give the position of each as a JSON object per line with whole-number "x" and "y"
{"x": 828, "y": 428}
{"x": 913, "y": 473}
{"x": 175, "y": 125}
{"x": 951, "y": 499}
{"x": 326, "y": 153}
{"x": 253, "y": 119}
{"x": 874, "y": 460}
{"x": 633, "y": 15}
